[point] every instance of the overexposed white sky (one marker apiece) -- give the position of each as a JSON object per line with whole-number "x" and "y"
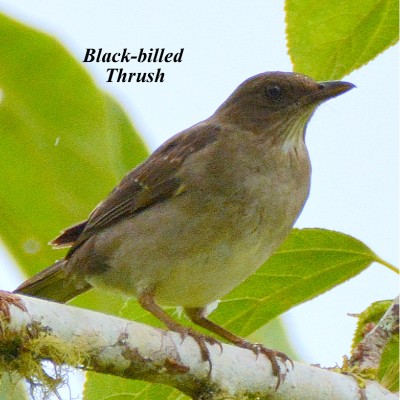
{"x": 352, "y": 140}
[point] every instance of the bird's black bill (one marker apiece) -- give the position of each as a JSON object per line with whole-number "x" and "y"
{"x": 330, "y": 89}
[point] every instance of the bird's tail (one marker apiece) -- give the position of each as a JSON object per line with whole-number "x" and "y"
{"x": 53, "y": 284}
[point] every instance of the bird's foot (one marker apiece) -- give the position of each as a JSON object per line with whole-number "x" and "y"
{"x": 199, "y": 338}
{"x": 272, "y": 355}
{"x": 6, "y": 299}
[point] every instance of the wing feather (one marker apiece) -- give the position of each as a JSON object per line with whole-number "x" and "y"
{"x": 152, "y": 182}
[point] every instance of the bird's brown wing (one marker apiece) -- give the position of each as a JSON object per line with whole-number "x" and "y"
{"x": 150, "y": 183}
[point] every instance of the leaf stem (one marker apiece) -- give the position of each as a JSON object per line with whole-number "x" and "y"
{"x": 388, "y": 265}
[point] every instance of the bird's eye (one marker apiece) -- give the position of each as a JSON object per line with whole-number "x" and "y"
{"x": 274, "y": 92}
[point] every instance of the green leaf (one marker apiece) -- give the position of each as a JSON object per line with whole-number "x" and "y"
{"x": 12, "y": 387}
{"x": 114, "y": 388}
{"x": 388, "y": 372}
{"x": 329, "y": 39}
{"x": 64, "y": 143}
{"x": 370, "y": 315}
{"x": 309, "y": 263}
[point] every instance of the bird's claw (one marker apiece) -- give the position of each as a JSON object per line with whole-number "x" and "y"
{"x": 273, "y": 356}
{"x": 201, "y": 340}
{"x": 6, "y": 299}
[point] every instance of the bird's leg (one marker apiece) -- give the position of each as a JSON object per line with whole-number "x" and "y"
{"x": 148, "y": 302}
{"x": 197, "y": 316}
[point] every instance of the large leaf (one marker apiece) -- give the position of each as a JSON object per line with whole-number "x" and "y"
{"x": 329, "y": 39}
{"x": 64, "y": 143}
{"x": 114, "y": 388}
{"x": 309, "y": 263}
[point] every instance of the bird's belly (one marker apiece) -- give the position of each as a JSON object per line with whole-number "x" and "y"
{"x": 207, "y": 277}
{"x": 189, "y": 282}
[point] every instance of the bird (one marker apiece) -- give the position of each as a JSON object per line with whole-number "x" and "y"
{"x": 202, "y": 213}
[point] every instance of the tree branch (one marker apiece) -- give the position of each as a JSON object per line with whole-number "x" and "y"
{"x": 368, "y": 352}
{"x": 40, "y": 330}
